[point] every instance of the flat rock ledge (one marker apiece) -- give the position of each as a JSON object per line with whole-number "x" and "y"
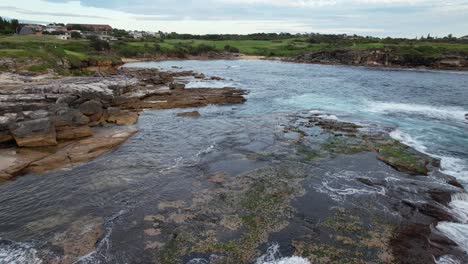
{"x": 47, "y": 124}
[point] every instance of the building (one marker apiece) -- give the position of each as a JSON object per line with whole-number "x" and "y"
{"x": 136, "y": 34}
{"x": 54, "y": 28}
{"x": 65, "y": 36}
{"x": 90, "y": 27}
{"x": 27, "y": 31}
{"x": 464, "y": 37}
{"x": 35, "y": 27}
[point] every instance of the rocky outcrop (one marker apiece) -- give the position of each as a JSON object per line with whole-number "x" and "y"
{"x": 189, "y": 114}
{"x": 176, "y": 86}
{"x": 35, "y": 133}
{"x": 52, "y": 121}
{"x": 382, "y": 57}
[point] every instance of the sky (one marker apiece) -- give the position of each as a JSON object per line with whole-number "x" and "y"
{"x": 382, "y": 18}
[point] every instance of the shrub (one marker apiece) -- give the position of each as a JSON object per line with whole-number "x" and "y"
{"x": 231, "y": 49}
{"x": 39, "y": 67}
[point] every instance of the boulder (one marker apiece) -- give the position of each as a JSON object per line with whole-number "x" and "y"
{"x": 91, "y": 108}
{"x": 176, "y": 86}
{"x": 35, "y": 133}
{"x": 36, "y": 114}
{"x": 69, "y": 133}
{"x": 66, "y": 99}
{"x": 189, "y": 114}
{"x": 121, "y": 117}
{"x": 66, "y": 116}
{"x": 199, "y": 76}
{"x": 5, "y": 136}
{"x": 216, "y": 78}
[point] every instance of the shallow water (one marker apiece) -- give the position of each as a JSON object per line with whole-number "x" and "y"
{"x": 170, "y": 156}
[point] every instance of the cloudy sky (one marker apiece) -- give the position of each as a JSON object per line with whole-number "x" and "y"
{"x": 405, "y": 18}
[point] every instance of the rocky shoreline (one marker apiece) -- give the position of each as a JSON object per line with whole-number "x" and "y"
{"x": 48, "y": 123}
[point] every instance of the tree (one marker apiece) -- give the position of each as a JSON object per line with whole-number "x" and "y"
{"x": 157, "y": 48}
{"x": 99, "y": 44}
{"x": 231, "y": 49}
{"x": 76, "y": 35}
{"x": 14, "y": 25}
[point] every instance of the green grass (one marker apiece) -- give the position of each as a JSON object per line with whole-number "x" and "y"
{"x": 79, "y": 55}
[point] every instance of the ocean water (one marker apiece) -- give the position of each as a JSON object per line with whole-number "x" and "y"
{"x": 422, "y": 108}
{"x": 425, "y": 109}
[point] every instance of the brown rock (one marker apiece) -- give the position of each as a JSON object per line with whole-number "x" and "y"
{"x": 91, "y": 108}
{"x": 73, "y": 153}
{"x": 35, "y": 133}
{"x": 199, "y": 76}
{"x": 5, "y": 136}
{"x": 189, "y": 114}
{"x": 176, "y": 86}
{"x": 121, "y": 117}
{"x": 68, "y": 133}
{"x": 80, "y": 239}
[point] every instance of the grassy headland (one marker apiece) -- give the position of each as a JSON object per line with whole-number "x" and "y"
{"x": 74, "y": 56}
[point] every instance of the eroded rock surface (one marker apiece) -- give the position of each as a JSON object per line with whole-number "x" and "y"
{"x": 55, "y": 117}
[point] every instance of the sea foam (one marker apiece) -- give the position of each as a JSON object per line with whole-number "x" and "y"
{"x": 440, "y": 112}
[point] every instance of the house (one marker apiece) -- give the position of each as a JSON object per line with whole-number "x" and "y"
{"x": 136, "y": 34}
{"x": 26, "y": 31}
{"x": 90, "y": 27}
{"x": 54, "y": 28}
{"x": 35, "y": 27}
{"x": 108, "y": 38}
{"x": 464, "y": 37}
{"x": 65, "y": 36}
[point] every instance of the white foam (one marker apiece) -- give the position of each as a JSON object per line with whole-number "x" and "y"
{"x": 18, "y": 253}
{"x": 444, "y": 112}
{"x": 273, "y": 256}
{"x": 448, "y": 260}
{"x": 459, "y": 207}
{"x": 452, "y": 166}
{"x": 458, "y": 233}
{"x": 328, "y": 117}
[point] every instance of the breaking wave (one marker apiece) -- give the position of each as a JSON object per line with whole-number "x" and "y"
{"x": 17, "y": 253}
{"x": 273, "y": 256}
{"x": 452, "y": 166}
{"x": 446, "y": 112}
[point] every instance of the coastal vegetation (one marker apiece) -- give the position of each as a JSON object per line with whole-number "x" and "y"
{"x": 73, "y": 56}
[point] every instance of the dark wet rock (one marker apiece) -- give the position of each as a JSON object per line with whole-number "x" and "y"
{"x": 441, "y": 196}
{"x": 35, "y": 133}
{"x": 216, "y": 78}
{"x": 455, "y": 182}
{"x": 410, "y": 243}
{"x": 431, "y": 210}
{"x": 176, "y": 86}
{"x": 189, "y": 114}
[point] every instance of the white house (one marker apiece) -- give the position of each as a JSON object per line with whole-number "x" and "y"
{"x": 65, "y": 36}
